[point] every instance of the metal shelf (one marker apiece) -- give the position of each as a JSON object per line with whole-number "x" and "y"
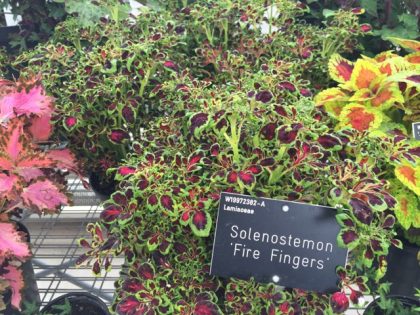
{"x": 55, "y": 249}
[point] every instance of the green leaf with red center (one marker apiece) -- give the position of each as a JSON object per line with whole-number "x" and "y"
{"x": 409, "y": 175}
{"x": 407, "y": 208}
{"x": 409, "y": 44}
{"x": 340, "y": 69}
{"x": 201, "y": 223}
{"x": 363, "y": 74}
{"x": 360, "y": 117}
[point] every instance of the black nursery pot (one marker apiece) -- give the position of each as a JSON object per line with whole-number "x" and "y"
{"x": 407, "y": 302}
{"x": 5, "y": 32}
{"x": 30, "y": 293}
{"x": 81, "y": 304}
{"x": 103, "y": 186}
{"x": 403, "y": 270}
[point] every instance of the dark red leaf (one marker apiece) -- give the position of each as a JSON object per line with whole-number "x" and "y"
{"x": 339, "y": 302}
{"x": 286, "y": 86}
{"x": 152, "y": 200}
{"x": 166, "y": 202}
{"x": 267, "y": 162}
{"x": 128, "y": 306}
{"x": 232, "y": 177}
{"x": 118, "y": 135}
{"x": 254, "y": 169}
{"x": 126, "y": 170}
{"x": 205, "y": 308}
{"x": 215, "y": 149}
{"x": 111, "y": 213}
{"x": 361, "y": 210}
{"x": 199, "y": 219}
{"x": 193, "y": 160}
{"x": 268, "y": 131}
{"x": 264, "y": 96}
{"x": 198, "y": 120}
{"x": 132, "y": 285}
{"x": 329, "y": 141}
{"x": 349, "y": 236}
{"x": 246, "y": 178}
{"x": 145, "y": 271}
{"x": 128, "y": 114}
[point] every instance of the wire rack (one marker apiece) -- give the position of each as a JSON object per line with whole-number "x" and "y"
{"x": 55, "y": 249}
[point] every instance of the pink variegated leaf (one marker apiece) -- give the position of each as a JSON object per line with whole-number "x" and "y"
{"x": 29, "y": 173}
{"x": 6, "y": 184}
{"x": 29, "y": 102}
{"x": 12, "y": 244}
{"x": 41, "y": 128}
{"x": 15, "y": 278}
{"x": 18, "y": 151}
{"x": 10, "y": 144}
{"x": 43, "y": 195}
{"x": 6, "y": 113}
{"x": 63, "y": 159}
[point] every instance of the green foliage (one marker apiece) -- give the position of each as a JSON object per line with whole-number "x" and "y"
{"x": 390, "y": 305}
{"x": 88, "y": 12}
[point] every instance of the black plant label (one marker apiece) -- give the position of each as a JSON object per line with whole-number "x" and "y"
{"x": 288, "y": 243}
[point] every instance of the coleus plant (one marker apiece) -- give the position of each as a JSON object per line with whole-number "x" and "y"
{"x": 248, "y": 135}
{"x": 107, "y": 77}
{"x": 101, "y": 76}
{"x": 371, "y": 94}
{"x": 30, "y": 177}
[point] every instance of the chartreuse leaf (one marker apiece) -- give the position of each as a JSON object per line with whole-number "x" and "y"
{"x": 364, "y": 73}
{"x": 360, "y": 117}
{"x": 333, "y": 100}
{"x": 407, "y": 208}
{"x": 386, "y": 96}
{"x": 413, "y": 58}
{"x": 409, "y": 44}
{"x": 340, "y": 69}
{"x": 409, "y": 175}
{"x": 411, "y": 77}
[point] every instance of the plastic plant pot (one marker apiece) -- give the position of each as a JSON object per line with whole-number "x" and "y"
{"x": 408, "y": 305}
{"x": 77, "y": 303}
{"x": 101, "y": 185}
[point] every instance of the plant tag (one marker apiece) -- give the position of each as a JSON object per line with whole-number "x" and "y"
{"x": 288, "y": 243}
{"x": 416, "y": 130}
